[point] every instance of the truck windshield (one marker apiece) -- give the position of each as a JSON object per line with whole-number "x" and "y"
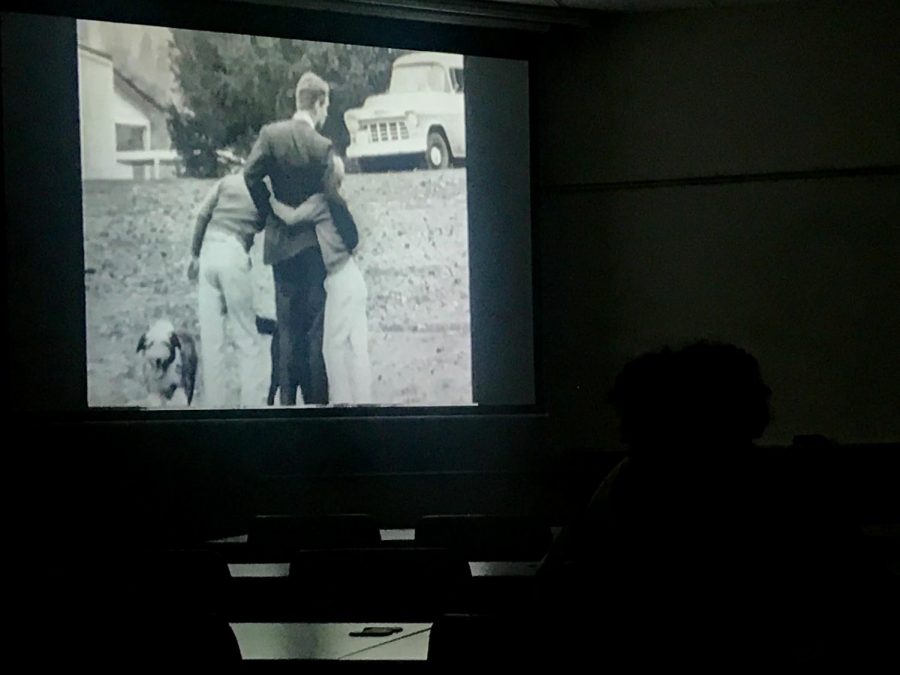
{"x": 418, "y": 77}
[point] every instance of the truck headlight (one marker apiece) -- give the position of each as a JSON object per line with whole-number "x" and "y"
{"x": 412, "y": 120}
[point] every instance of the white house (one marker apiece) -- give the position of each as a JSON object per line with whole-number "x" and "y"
{"x": 123, "y": 129}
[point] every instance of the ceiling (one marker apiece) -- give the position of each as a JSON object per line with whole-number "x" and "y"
{"x": 629, "y": 5}
{"x": 535, "y": 14}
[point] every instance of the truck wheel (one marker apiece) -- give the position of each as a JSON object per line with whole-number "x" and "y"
{"x": 437, "y": 154}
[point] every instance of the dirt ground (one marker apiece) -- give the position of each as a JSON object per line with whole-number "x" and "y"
{"x": 413, "y": 254}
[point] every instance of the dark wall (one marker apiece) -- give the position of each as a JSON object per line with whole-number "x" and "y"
{"x": 731, "y": 174}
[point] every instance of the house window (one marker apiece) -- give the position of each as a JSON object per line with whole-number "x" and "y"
{"x": 130, "y": 137}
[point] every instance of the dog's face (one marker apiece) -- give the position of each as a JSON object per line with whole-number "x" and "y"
{"x": 161, "y": 351}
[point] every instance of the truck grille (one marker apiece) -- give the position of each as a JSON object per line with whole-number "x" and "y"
{"x": 387, "y": 131}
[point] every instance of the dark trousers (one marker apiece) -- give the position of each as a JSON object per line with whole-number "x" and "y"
{"x": 300, "y": 312}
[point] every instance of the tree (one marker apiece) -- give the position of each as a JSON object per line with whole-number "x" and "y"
{"x": 234, "y": 84}
{"x": 196, "y": 148}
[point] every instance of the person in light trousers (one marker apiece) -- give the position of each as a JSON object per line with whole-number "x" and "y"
{"x": 226, "y": 224}
{"x": 345, "y": 342}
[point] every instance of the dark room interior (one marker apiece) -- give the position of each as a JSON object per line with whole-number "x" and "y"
{"x": 698, "y": 170}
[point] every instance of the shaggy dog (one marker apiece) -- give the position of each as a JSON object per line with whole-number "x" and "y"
{"x": 169, "y": 365}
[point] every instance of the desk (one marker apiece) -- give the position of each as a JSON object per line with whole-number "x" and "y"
{"x": 412, "y": 646}
{"x": 478, "y": 569}
{"x": 330, "y": 641}
{"x": 259, "y": 570}
{"x": 407, "y": 534}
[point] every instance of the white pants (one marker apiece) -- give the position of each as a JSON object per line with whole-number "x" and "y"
{"x": 226, "y": 292}
{"x": 345, "y": 340}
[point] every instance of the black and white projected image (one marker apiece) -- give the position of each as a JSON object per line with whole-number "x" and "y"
{"x": 323, "y": 261}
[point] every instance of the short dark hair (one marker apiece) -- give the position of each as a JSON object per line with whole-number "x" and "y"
{"x": 721, "y": 391}
{"x": 706, "y": 391}
{"x": 642, "y": 396}
{"x": 310, "y": 90}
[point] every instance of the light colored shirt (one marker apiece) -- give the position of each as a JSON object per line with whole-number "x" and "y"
{"x": 316, "y": 210}
{"x": 228, "y": 208}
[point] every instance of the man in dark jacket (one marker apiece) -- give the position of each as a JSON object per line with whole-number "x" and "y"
{"x": 294, "y": 156}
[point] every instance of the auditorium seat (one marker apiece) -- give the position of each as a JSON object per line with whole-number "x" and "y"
{"x": 486, "y": 537}
{"x": 410, "y": 584}
{"x": 462, "y": 641}
{"x": 283, "y": 534}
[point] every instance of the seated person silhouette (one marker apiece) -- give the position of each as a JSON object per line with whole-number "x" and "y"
{"x": 693, "y": 551}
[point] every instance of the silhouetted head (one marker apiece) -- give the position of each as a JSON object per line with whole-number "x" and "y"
{"x": 706, "y": 396}
{"x": 643, "y": 398}
{"x": 723, "y": 397}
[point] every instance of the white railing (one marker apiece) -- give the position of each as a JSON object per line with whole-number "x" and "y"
{"x": 154, "y": 158}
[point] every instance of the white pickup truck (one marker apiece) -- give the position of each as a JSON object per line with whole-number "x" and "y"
{"x": 422, "y": 116}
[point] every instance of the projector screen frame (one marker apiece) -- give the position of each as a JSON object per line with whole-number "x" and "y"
{"x": 317, "y": 25}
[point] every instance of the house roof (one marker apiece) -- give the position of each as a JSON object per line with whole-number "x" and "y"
{"x": 95, "y": 52}
{"x": 123, "y": 79}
